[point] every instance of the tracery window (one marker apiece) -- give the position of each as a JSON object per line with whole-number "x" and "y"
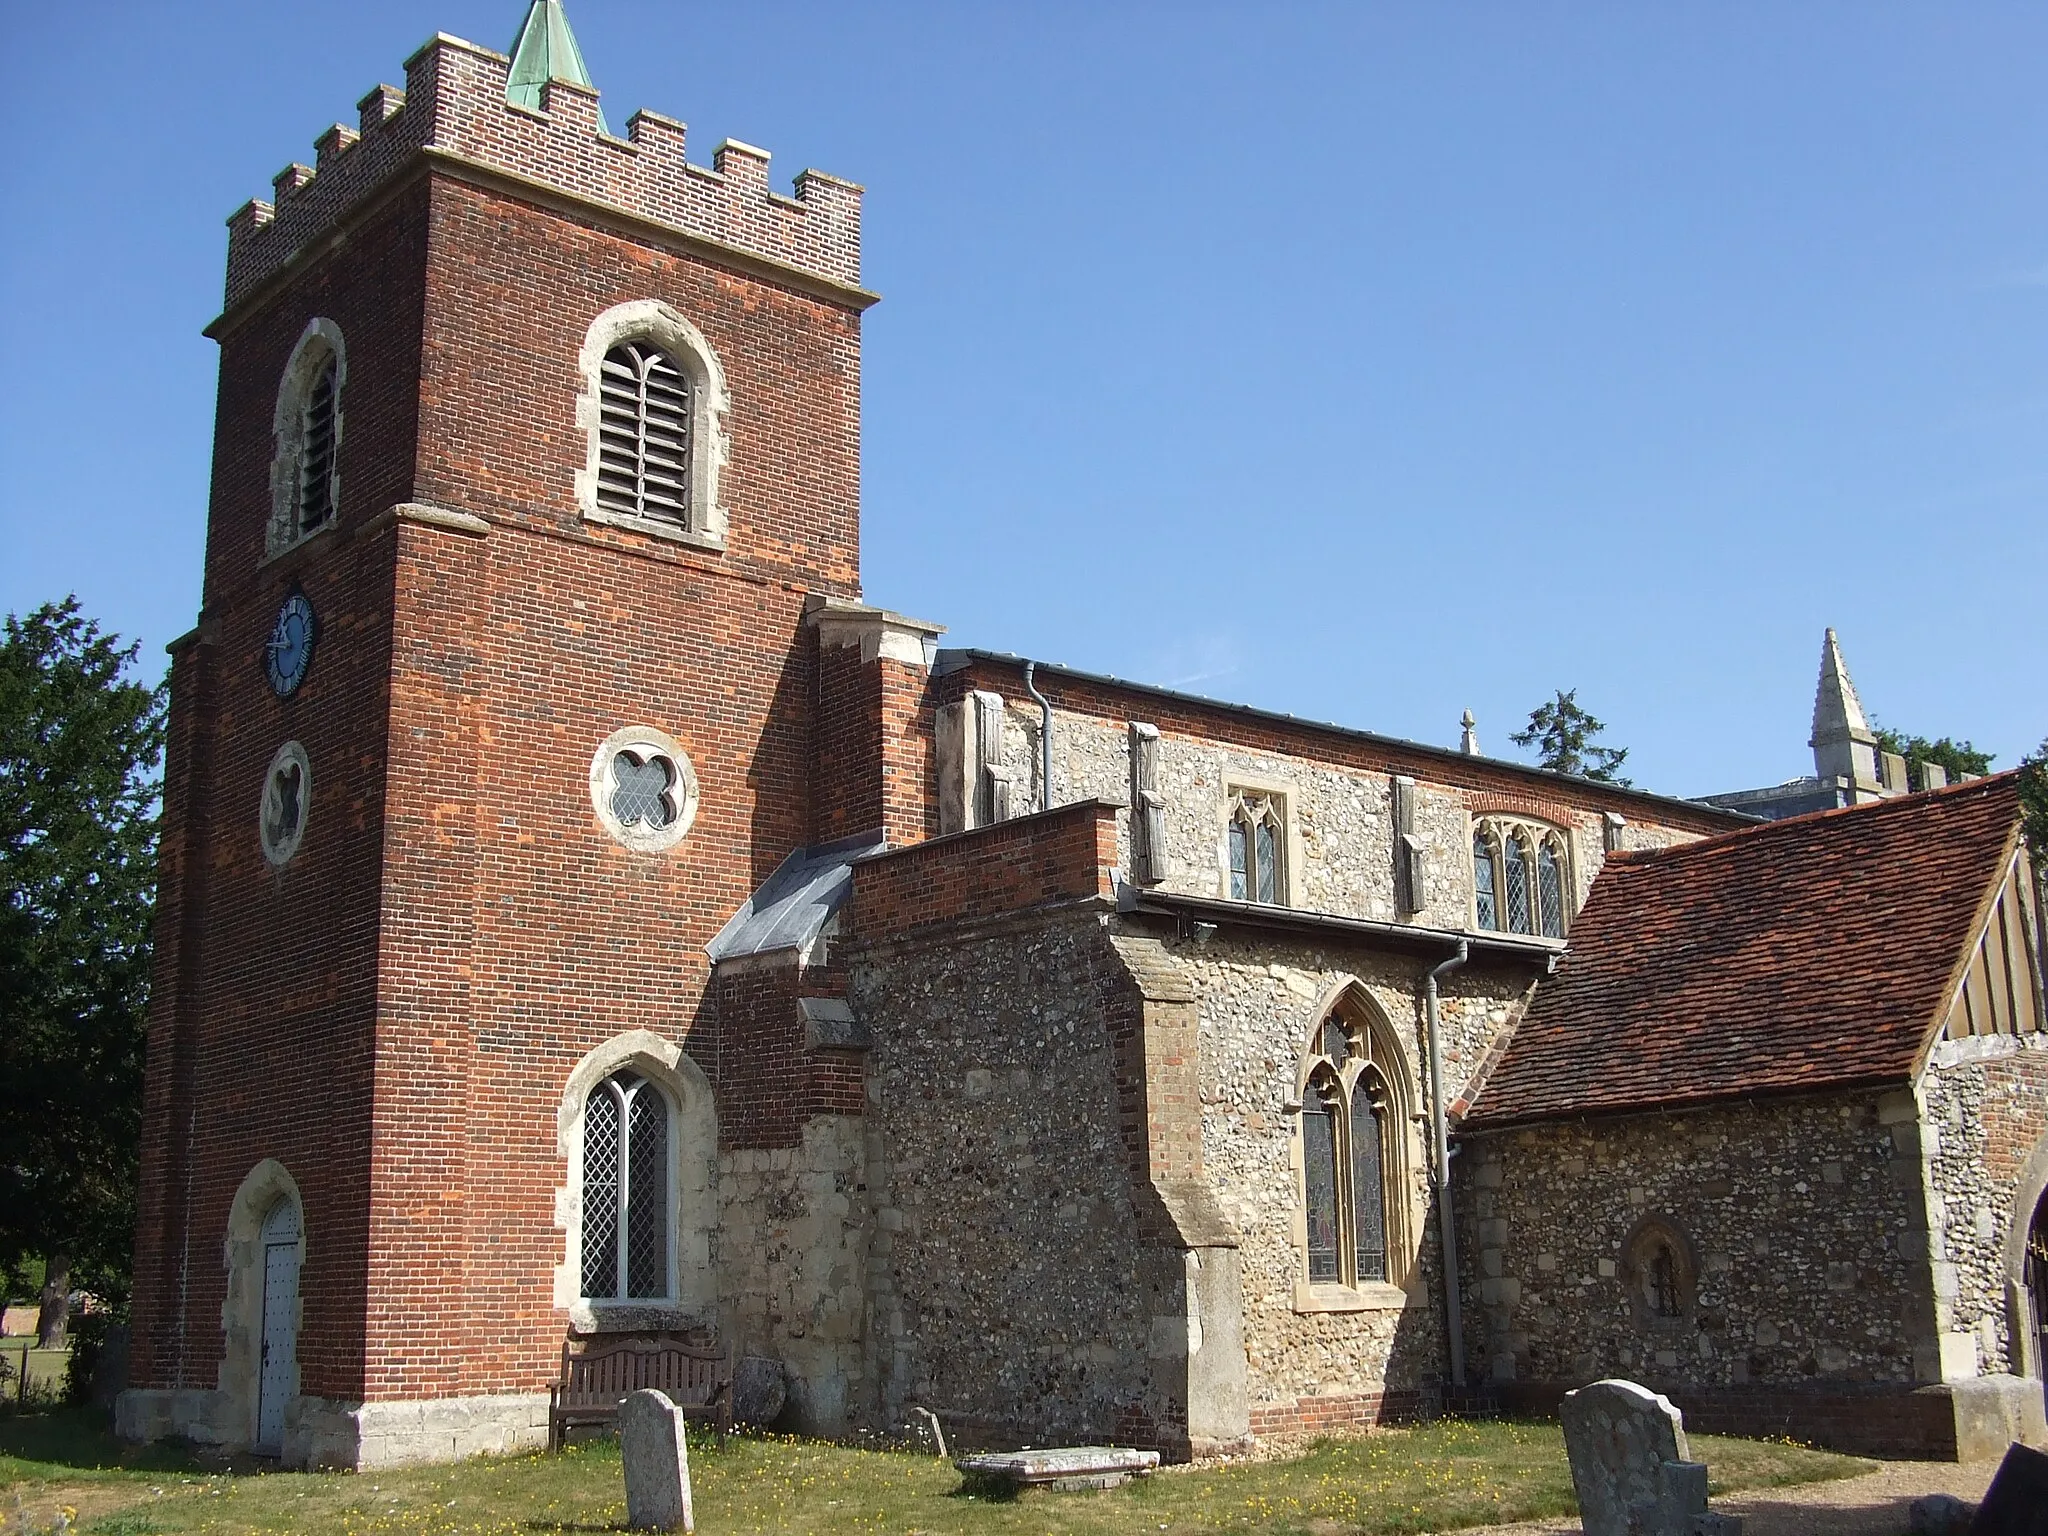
{"x": 1521, "y": 877}
{"x": 1353, "y": 1154}
{"x": 643, "y": 467}
{"x": 1258, "y": 848}
{"x": 626, "y": 1247}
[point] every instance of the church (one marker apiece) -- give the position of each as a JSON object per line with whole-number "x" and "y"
{"x": 583, "y": 915}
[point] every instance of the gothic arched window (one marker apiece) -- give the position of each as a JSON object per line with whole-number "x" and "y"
{"x": 1258, "y": 849}
{"x": 626, "y": 1247}
{"x": 1657, "y": 1272}
{"x": 643, "y": 465}
{"x": 1354, "y": 1152}
{"x": 1521, "y": 877}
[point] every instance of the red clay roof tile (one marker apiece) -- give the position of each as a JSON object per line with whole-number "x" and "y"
{"x": 1804, "y": 954}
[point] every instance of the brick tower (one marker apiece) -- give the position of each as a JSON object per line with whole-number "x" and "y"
{"x": 535, "y": 496}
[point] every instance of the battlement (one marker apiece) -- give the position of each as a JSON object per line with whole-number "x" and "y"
{"x": 454, "y": 104}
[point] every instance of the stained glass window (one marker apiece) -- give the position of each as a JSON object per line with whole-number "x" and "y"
{"x": 1336, "y": 1039}
{"x": 1517, "y": 863}
{"x": 1368, "y": 1185}
{"x": 1550, "y": 889}
{"x": 625, "y": 1190}
{"x": 1487, "y": 903}
{"x": 1319, "y": 1163}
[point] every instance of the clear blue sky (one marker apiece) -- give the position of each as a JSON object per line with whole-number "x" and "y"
{"x": 1365, "y": 362}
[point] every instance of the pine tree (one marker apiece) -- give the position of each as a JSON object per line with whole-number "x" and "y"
{"x": 1563, "y": 735}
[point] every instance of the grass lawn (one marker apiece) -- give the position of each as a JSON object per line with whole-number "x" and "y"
{"x": 1434, "y": 1477}
{"x": 45, "y": 1367}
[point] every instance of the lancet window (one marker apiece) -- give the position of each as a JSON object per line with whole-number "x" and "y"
{"x": 626, "y": 1246}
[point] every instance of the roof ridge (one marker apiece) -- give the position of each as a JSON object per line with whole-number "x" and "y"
{"x": 1918, "y": 800}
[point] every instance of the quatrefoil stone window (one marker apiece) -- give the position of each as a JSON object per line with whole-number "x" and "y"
{"x": 287, "y": 798}
{"x": 643, "y": 788}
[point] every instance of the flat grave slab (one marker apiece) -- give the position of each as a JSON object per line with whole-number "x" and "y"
{"x": 1067, "y": 1469}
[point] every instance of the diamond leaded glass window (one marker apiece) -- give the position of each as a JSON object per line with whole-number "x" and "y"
{"x": 642, "y": 794}
{"x": 1319, "y": 1165}
{"x": 625, "y": 1191}
{"x": 1521, "y": 877}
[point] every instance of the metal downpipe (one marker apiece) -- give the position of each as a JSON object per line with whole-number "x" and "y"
{"x": 1044, "y": 738}
{"x": 1446, "y": 1222}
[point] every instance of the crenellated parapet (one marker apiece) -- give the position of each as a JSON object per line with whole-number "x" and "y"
{"x": 454, "y": 105}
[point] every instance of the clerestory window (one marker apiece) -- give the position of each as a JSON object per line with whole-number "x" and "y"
{"x": 643, "y": 467}
{"x": 1257, "y": 842}
{"x": 626, "y": 1248}
{"x": 1354, "y": 1155}
{"x": 1521, "y": 877}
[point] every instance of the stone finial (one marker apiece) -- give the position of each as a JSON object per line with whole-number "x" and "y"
{"x": 1469, "y": 742}
{"x": 1844, "y": 746}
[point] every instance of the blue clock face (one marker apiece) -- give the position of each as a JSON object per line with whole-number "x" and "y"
{"x": 290, "y": 651}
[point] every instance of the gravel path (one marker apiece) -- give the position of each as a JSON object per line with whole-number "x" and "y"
{"x": 1872, "y": 1505}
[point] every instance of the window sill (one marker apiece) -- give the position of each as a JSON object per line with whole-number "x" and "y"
{"x": 1373, "y": 1296}
{"x": 273, "y": 556}
{"x": 633, "y": 1317}
{"x": 654, "y": 528}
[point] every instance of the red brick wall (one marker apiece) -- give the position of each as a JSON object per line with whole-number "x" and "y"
{"x": 1062, "y": 854}
{"x": 394, "y": 1016}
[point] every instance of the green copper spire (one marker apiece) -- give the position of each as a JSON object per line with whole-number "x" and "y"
{"x": 546, "y": 50}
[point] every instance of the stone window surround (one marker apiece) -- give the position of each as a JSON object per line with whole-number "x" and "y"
{"x": 647, "y": 740}
{"x": 241, "y": 1362}
{"x": 692, "y": 1301}
{"x": 652, "y": 322}
{"x": 1286, "y": 799}
{"x": 279, "y": 852}
{"x": 320, "y": 340}
{"x": 1628, "y": 1270}
{"x": 1348, "y": 994}
{"x": 1501, "y": 825}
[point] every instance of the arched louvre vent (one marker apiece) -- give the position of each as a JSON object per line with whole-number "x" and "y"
{"x": 643, "y": 464}
{"x": 316, "y": 458}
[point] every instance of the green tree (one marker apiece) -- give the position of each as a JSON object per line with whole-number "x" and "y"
{"x": 2034, "y": 807}
{"x": 1958, "y": 757}
{"x": 81, "y": 745}
{"x": 1563, "y": 735}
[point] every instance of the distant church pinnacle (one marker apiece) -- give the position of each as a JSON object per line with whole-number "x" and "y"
{"x": 546, "y": 50}
{"x": 1844, "y": 746}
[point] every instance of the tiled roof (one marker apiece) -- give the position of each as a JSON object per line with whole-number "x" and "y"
{"x": 1804, "y": 954}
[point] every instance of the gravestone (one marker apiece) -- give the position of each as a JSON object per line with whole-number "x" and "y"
{"x": 2016, "y": 1503}
{"x": 1631, "y": 1467}
{"x": 1065, "y": 1469}
{"x": 759, "y": 1391}
{"x": 657, "y": 1458}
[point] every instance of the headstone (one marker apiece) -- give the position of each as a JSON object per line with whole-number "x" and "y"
{"x": 1065, "y": 1469}
{"x": 657, "y": 1457}
{"x": 2016, "y": 1504}
{"x": 925, "y": 1431}
{"x": 1631, "y": 1466}
{"x": 759, "y": 1391}
{"x": 1939, "y": 1514}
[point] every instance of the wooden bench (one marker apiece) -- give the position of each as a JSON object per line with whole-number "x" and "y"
{"x": 595, "y": 1381}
